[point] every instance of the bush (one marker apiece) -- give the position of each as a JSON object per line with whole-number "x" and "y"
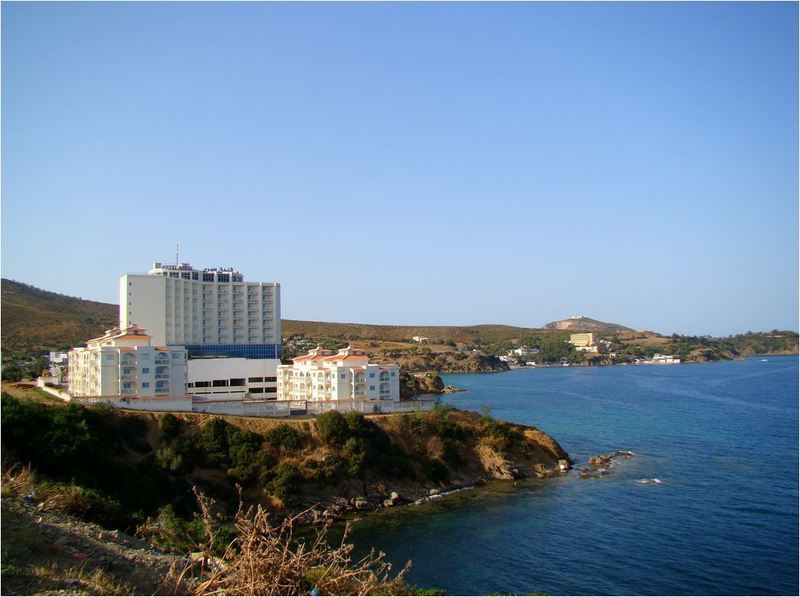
{"x": 169, "y": 459}
{"x": 264, "y": 559}
{"x": 285, "y": 482}
{"x": 355, "y": 451}
{"x": 500, "y": 433}
{"x": 333, "y": 428}
{"x": 211, "y": 443}
{"x": 170, "y": 427}
{"x": 284, "y": 437}
{"x": 86, "y": 504}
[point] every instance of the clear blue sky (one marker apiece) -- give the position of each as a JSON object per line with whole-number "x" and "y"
{"x": 414, "y": 163}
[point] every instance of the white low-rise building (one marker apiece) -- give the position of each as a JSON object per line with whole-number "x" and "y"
{"x": 345, "y": 375}
{"x": 523, "y": 351}
{"x": 123, "y": 363}
{"x": 233, "y": 379}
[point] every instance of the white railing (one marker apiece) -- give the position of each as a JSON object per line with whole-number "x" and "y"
{"x": 253, "y": 408}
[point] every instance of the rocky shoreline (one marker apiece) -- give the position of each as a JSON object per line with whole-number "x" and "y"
{"x": 601, "y": 465}
{"x": 341, "y": 508}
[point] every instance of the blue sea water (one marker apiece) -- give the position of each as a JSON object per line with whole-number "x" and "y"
{"x": 722, "y": 437}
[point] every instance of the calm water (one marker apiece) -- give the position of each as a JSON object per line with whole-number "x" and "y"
{"x": 723, "y": 438}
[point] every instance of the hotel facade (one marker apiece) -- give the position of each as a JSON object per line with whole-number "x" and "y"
{"x": 231, "y": 328}
{"x": 212, "y": 312}
{"x": 346, "y": 375}
{"x": 123, "y": 363}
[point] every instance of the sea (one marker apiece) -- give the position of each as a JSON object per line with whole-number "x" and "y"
{"x": 721, "y": 438}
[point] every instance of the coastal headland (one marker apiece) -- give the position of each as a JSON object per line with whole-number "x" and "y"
{"x": 134, "y": 472}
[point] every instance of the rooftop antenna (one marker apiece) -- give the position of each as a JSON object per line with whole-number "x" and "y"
{"x": 177, "y": 254}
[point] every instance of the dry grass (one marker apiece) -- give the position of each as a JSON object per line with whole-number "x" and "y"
{"x": 18, "y": 480}
{"x": 267, "y": 559}
{"x": 79, "y": 580}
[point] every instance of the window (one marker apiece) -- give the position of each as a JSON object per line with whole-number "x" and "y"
{"x": 256, "y": 390}
{"x": 392, "y": 373}
{"x": 255, "y": 380}
{"x": 344, "y": 375}
{"x": 270, "y": 390}
{"x": 145, "y": 370}
{"x": 202, "y": 384}
{"x": 372, "y": 375}
{"x": 190, "y": 384}
{"x": 272, "y": 379}
{"x": 372, "y": 388}
{"x": 219, "y": 383}
{"x": 145, "y": 384}
{"x": 239, "y": 381}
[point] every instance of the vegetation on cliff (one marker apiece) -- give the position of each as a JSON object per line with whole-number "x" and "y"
{"x": 138, "y": 472}
{"x": 122, "y": 468}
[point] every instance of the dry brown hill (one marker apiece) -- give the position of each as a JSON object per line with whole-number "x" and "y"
{"x": 586, "y": 324}
{"x": 35, "y": 319}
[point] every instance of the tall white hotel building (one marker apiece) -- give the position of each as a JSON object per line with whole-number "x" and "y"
{"x": 231, "y": 328}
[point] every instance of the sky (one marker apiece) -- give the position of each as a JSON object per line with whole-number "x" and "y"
{"x": 414, "y": 163}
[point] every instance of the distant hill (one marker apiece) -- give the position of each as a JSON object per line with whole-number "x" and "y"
{"x": 585, "y": 324}
{"x": 439, "y": 334}
{"x": 38, "y": 320}
{"x": 35, "y": 319}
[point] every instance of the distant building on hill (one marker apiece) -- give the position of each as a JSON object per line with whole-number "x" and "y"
{"x": 346, "y": 375}
{"x": 585, "y": 342}
{"x": 523, "y": 351}
{"x": 420, "y": 339}
{"x": 123, "y": 363}
{"x": 583, "y": 339}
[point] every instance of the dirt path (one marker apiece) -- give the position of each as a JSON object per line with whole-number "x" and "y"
{"x": 49, "y": 553}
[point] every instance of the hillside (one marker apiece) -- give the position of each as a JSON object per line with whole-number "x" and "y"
{"x": 38, "y": 320}
{"x": 586, "y": 324}
{"x": 133, "y": 465}
{"x": 35, "y": 321}
{"x": 468, "y": 335}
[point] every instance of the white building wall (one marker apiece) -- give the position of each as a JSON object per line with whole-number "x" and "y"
{"x": 259, "y": 376}
{"x": 178, "y": 311}
{"x": 127, "y": 371}
{"x": 142, "y": 301}
{"x": 333, "y": 377}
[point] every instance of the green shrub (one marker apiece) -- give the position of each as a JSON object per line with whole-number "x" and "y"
{"x": 211, "y": 443}
{"x": 284, "y": 437}
{"x": 170, "y": 427}
{"x": 169, "y": 459}
{"x": 87, "y": 504}
{"x": 332, "y": 428}
{"x": 285, "y": 482}
{"x": 355, "y": 452}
